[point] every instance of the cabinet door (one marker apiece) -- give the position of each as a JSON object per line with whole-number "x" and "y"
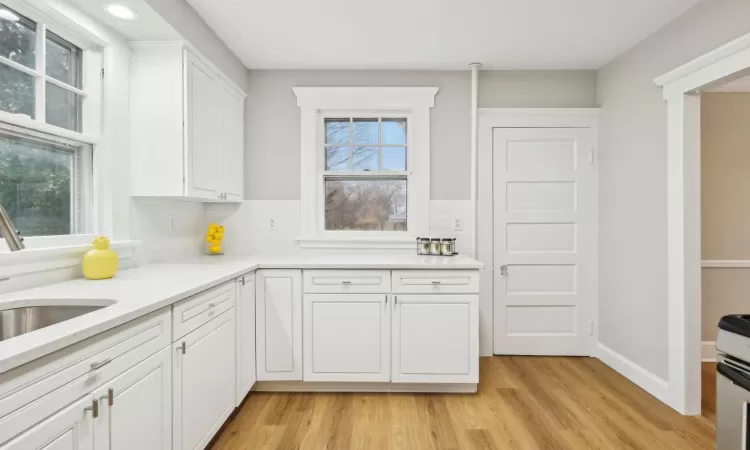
{"x": 245, "y": 310}
{"x": 435, "y": 339}
{"x": 69, "y": 429}
{"x": 279, "y": 324}
{"x": 202, "y": 130}
{"x": 135, "y": 409}
{"x": 233, "y": 144}
{"x": 204, "y": 382}
{"x": 347, "y": 337}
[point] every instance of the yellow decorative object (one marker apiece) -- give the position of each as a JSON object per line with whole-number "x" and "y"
{"x": 100, "y": 262}
{"x": 214, "y": 235}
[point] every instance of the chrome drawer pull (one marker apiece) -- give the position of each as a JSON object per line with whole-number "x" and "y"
{"x": 96, "y": 366}
{"x": 212, "y": 305}
{"x": 94, "y": 408}
{"x": 435, "y": 282}
{"x": 346, "y": 282}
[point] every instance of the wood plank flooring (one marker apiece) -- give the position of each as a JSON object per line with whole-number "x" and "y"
{"x": 523, "y": 403}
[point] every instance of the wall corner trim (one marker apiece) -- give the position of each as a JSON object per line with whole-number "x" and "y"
{"x": 635, "y": 373}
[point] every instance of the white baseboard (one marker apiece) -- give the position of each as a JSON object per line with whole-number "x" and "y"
{"x": 635, "y": 373}
{"x": 301, "y": 386}
{"x": 708, "y": 351}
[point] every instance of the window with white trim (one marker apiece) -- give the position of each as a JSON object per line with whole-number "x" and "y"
{"x": 46, "y": 168}
{"x": 365, "y": 176}
{"x": 365, "y": 166}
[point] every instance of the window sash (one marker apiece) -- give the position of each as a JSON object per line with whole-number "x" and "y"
{"x": 352, "y": 118}
{"x": 39, "y": 71}
{"x": 82, "y": 174}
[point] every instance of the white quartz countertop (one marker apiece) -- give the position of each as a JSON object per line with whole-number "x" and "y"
{"x": 140, "y": 291}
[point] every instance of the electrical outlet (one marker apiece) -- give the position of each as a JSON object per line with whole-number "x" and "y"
{"x": 458, "y": 224}
{"x": 171, "y": 223}
{"x": 271, "y": 224}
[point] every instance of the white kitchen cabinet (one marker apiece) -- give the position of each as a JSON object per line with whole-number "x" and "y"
{"x": 347, "y": 337}
{"x": 135, "y": 409}
{"x": 435, "y": 339}
{"x": 187, "y": 125}
{"x": 245, "y": 312}
{"x": 279, "y": 324}
{"x": 233, "y": 144}
{"x": 68, "y": 429}
{"x": 203, "y": 388}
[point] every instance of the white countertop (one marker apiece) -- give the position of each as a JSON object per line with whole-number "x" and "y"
{"x": 145, "y": 289}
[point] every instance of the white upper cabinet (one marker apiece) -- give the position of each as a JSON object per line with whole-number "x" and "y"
{"x": 187, "y": 126}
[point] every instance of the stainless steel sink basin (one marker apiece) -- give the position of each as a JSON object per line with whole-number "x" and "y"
{"x": 18, "y": 321}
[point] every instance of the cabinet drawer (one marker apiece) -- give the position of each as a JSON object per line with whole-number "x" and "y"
{"x": 347, "y": 281}
{"x": 435, "y": 282}
{"x": 34, "y": 391}
{"x": 191, "y": 313}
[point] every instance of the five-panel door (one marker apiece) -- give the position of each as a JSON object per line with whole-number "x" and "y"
{"x": 545, "y": 243}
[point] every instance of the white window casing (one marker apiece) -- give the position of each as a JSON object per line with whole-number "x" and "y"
{"x": 318, "y": 103}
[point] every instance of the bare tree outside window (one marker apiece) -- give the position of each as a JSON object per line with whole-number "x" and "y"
{"x": 365, "y": 174}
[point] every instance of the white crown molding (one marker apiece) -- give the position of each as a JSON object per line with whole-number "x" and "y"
{"x": 712, "y": 57}
{"x": 381, "y": 98}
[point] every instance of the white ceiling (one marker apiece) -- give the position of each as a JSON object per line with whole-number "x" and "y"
{"x": 434, "y": 34}
{"x": 148, "y": 26}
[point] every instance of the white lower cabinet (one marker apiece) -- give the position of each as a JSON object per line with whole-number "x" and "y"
{"x": 278, "y": 310}
{"x": 69, "y": 429}
{"x": 135, "y": 409}
{"x": 203, "y": 388}
{"x": 245, "y": 310}
{"x": 347, "y": 337}
{"x": 435, "y": 339}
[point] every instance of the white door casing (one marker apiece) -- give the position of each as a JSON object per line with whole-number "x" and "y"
{"x": 545, "y": 240}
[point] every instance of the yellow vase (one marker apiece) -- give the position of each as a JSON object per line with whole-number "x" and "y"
{"x": 100, "y": 262}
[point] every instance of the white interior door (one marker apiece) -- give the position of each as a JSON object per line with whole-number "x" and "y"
{"x": 545, "y": 240}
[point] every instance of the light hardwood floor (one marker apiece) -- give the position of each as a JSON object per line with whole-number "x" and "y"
{"x": 523, "y": 403}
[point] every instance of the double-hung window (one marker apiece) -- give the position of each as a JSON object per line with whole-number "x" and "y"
{"x": 365, "y": 177}
{"x": 365, "y": 166}
{"x": 46, "y": 168}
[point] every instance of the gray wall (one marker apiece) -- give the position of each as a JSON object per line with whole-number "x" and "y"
{"x": 191, "y": 26}
{"x": 632, "y": 211}
{"x": 272, "y": 154}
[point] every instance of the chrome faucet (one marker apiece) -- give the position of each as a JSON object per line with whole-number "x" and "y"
{"x": 9, "y": 233}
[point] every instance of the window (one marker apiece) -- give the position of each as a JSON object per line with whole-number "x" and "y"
{"x": 365, "y": 175}
{"x": 46, "y": 162}
{"x": 40, "y": 72}
{"x": 40, "y": 182}
{"x": 365, "y": 166}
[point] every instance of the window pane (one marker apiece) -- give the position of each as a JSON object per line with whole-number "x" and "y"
{"x": 366, "y": 131}
{"x": 36, "y": 187}
{"x": 337, "y": 158}
{"x": 16, "y": 91}
{"x": 63, "y": 108}
{"x": 17, "y": 37}
{"x": 393, "y": 158}
{"x": 366, "y": 204}
{"x": 63, "y": 60}
{"x": 338, "y": 131}
{"x": 365, "y": 158}
{"x": 394, "y": 131}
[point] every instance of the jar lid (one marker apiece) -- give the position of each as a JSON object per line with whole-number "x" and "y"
{"x": 435, "y": 239}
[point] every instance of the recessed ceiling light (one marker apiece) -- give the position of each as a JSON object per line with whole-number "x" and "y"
{"x": 121, "y": 11}
{"x": 8, "y": 15}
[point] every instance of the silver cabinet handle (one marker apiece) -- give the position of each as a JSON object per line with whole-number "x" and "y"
{"x": 395, "y": 300}
{"x": 94, "y": 408}
{"x": 346, "y": 282}
{"x": 182, "y": 347}
{"x": 110, "y": 396}
{"x": 386, "y": 301}
{"x": 96, "y": 366}
{"x": 212, "y": 305}
{"x": 435, "y": 282}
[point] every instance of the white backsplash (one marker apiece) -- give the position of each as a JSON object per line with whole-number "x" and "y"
{"x": 248, "y": 229}
{"x": 151, "y": 226}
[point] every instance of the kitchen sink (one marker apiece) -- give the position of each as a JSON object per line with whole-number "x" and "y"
{"x": 17, "y": 321}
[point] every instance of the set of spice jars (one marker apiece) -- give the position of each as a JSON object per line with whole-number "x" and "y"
{"x": 436, "y": 246}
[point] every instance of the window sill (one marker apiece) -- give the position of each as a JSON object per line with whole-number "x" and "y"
{"x": 32, "y": 260}
{"x": 381, "y": 243}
